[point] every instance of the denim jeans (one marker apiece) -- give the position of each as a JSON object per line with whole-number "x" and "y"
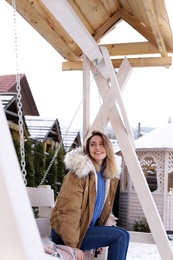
{"x": 113, "y": 237}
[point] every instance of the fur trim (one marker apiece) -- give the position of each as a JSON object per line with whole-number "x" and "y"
{"x": 79, "y": 163}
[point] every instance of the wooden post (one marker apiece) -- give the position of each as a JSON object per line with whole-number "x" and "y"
{"x": 19, "y": 238}
{"x": 86, "y": 101}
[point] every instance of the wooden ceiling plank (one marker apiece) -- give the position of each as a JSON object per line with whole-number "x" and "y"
{"x": 124, "y": 4}
{"x": 131, "y": 20}
{"x": 138, "y": 11}
{"x": 94, "y": 11}
{"x": 81, "y": 16}
{"x": 111, "y": 6}
{"x": 134, "y": 62}
{"x": 150, "y": 11}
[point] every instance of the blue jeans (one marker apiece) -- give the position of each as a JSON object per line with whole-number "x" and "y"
{"x": 113, "y": 237}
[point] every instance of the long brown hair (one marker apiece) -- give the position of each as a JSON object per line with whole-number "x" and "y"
{"x": 110, "y": 167}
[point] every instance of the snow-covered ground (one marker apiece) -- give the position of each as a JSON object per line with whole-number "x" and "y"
{"x": 144, "y": 251}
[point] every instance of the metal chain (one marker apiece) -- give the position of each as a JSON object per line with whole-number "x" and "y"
{"x": 96, "y": 73}
{"x": 19, "y": 103}
{"x": 68, "y": 128}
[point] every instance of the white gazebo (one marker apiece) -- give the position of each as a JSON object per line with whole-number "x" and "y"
{"x": 155, "y": 154}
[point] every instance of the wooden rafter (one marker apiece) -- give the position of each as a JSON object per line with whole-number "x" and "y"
{"x": 107, "y": 26}
{"x": 139, "y": 27}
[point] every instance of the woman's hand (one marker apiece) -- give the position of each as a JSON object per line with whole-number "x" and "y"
{"x": 99, "y": 250}
{"x": 79, "y": 254}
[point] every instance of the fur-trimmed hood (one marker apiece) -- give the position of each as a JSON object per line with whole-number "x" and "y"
{"x": 78, "y": 162}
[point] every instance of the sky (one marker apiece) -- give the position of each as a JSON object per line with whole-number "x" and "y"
{"x": 148, "y": 95}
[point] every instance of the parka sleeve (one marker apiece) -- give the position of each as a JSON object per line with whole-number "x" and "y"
{"x": 66, "y": 215}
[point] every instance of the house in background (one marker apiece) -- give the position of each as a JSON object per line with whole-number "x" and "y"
{"x": 8, "y": 97}
{"x": 9, "y": 103}
{"x": 38, "y": 128}
{"x": 44, "y": 130}
{"x": 155, "y": 153}
{"x": 8, "y": 85}
{"x": 71, "y": 139}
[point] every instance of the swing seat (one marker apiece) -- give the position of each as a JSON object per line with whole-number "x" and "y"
{"x": 43, "y": 198}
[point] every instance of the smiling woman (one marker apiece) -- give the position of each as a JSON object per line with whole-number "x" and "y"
{"x": 86, "y": 199}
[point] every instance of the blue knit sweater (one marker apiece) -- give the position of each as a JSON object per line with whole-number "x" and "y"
{"x": 100, "y": 196}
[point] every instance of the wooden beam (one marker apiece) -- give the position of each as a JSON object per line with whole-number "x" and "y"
{"x": 134, "y": 62}
{"x": 76, "y": 29}
{"x": 145, "y": 62}
{"x": 150, "y": 11}
{"x": 107, "y": 26}
{"x": 13, "y": 126}
{"x": 81, "y": 16}
{"x": 111, "y": 96}
{"x": 132, "y": 21}
{"x": 132, "y": 48}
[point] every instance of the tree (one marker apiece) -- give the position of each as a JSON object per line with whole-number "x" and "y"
{"x": 30, "y": 177}
{"x": 51, "y": 177}
{"x": 39, "y": 162}
{"x": 61, "y": 171}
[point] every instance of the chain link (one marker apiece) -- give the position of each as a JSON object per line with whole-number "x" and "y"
{"x": 19, "y": 103}
{"x": 68, "y": 128}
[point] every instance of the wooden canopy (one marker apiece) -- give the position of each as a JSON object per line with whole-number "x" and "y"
{"x": 96, "y": 18}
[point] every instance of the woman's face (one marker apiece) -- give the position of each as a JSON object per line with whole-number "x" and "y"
{"x": 97, "y": 149}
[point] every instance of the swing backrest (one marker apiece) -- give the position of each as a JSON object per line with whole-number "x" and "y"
{"x": 43, "y": 199}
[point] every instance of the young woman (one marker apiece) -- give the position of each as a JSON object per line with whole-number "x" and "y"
{"x": 85, "y": 201}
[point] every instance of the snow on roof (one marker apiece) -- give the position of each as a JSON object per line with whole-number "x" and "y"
{"x": 6, "y": 98}
{"x": 39, "y": 126}
{"x": 161, "y": 137}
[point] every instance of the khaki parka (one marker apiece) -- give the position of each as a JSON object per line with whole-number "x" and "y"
{"x": 74, "y": 206}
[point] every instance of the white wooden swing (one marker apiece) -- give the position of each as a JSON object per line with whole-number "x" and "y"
{"x": 20, "y": 238}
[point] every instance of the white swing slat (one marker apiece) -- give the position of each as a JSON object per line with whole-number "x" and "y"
{"x": 43, "y": 198}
